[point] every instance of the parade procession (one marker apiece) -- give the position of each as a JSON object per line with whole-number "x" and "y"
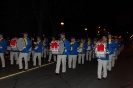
{"x": 66, "y": 53}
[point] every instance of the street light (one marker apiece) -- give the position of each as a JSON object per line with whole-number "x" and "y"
{"x": 62, "y": 23}
{"x": 85, "y": 29}
{"x": 99, "y": 27}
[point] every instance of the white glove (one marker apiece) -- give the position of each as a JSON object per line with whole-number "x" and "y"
{"x": 24, "y": 47}
{"x": 0, "y": 47}
{"x": 107, "y": 52}
{"x": 34, "y": 42}
{"x": 65, "y": 50}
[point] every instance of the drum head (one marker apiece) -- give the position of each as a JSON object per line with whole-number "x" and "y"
{"x": 20, "y": 44}
{"x": 61, "y": 47}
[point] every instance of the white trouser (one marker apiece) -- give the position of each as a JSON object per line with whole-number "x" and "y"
{"x": 113, "y": 60}
{"x": 116, "y": 57}
{"x": 88, "y": 53}
{"x": 50, "y": 56}
{"x": 12, "y": 54}
{"x": 2, "y": 59}
{"x": 44, "y": 52}
{"x": 81, "y": 57}
{"x": 39, "y": 59}
{"x": 61, "y": 58}
{"x": 102, "y": 64}
{"x": 31, "y": 53}
{"x": 110, "y": 62}
{"x": 21, "y": 56}
{"x": 72, "y": 61}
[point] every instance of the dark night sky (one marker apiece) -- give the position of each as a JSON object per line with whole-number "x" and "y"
{"x": 18, "y": 16}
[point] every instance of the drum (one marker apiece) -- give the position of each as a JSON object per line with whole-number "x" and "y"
{"x": 13, "y": 44}
{"x": 89, "y": 48}
{"x": 17, "y": 44}
{"x": 20, "y": 44}
{"x": 100, "y": 50}
{"x": 57, "y": 47}
{"x": 80, "y": 50}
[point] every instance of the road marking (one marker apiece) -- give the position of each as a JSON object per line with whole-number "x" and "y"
{"x": 4, "y": 77}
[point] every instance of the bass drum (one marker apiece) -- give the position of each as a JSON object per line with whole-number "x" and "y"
{"x": 61, "y": 47}
{"x": 13, "y": 44}
{"x": 57, "y": 47}
{"x": 20, "y": 44}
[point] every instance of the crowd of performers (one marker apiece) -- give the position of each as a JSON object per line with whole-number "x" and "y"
{"x": 71, "y": 52}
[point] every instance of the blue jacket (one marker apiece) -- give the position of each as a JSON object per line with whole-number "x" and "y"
{"x": 74, "y": 49}
{"x": 117, "y": 45}
{"x": 67, "y": 47}
{"x": 84, "y": 46}
{"x": 3, "y": 45}
{"x": 38, "y": 48}
{"x": 26, "y": 50}
{"x": 112, "y": 46}
{"x": 91, "y": 44}
{"x": 46, "y": 45}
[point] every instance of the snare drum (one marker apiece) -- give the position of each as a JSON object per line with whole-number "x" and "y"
{"x": 57, "y": 47}
{"x": 80, "y": 50}
{"x": 100, "y": 50}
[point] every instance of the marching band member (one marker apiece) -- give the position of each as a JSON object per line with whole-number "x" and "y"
{"x": 12, "y": 54}
{"x": 31, "y": 49}
{"x": 62, "y": 58}
{"x": 72, "y": 57}
{"x": 8, "y": 44}
{"x": 120, "y": 45}
{"x": 3, "y": 47}
{"x": 81, "y": 56}
{"x": 93, "y": 53}
{"x": 116, "y": 48}
{"x": 24, "y": 53}
{"x": 90, "y": 45}
{"x": 112, "y": 45}
{"x": 38, "y": 51}
{"x": 45, "y": 47}
{"x": 102, "y": 62}
{"x": 50, "y": 54}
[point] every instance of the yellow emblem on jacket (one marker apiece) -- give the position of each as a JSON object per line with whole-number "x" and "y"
{"x": 1, "y": 39}
{"x": 81, "y": 44}
{"x": 95, "y": 42}
{"x": 109, "y": 40}
{"x": 71, "y": 46}
{"x": 89, "y": 42}
{"x": 36, "y": 47}
{"x": 116, "y": 41}
{"x": 44, "y": 42}
{"x": 26, "y": 42}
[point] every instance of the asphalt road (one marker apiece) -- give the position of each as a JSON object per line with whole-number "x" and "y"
{"x": 84, "y": 76}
